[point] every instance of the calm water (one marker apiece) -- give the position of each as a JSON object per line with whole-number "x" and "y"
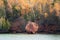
{"x": 29, "y": 37}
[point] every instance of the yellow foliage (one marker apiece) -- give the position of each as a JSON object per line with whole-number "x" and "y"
{"x": 26, "y": 4}
{"x": 43, "y": 1}
{"x": 1, "y": 3}
{"x": 57, "y": 6}
{"x": 12, "y": 2}
{"x": 46, "y": 14}
{"x": 17, "y": 7}
{"x": 51, "y": 8}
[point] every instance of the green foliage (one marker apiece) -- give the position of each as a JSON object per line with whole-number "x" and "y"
{"x": 2, "y": 12}
{"x": 32, "y": 16}
{"x": 5, "y": 2}
{"x": 15, "y": 12}
{"x": 56, "y": 0}
{"x": 25, "y": 17}
{"x": 11, "y": 16}
{"x": 4, "y": 24}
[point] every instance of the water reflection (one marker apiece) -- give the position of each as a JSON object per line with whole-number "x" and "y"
{"x": 29, "y": 37}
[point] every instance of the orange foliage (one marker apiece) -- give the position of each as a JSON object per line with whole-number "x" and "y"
{"x": 57, "y": 8}
{"x": 1, "y": 3}
{"x": 26, "y": 4}
{"x": 12, "y": 2}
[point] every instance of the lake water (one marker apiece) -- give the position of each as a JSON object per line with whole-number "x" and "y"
{"x": 29, "y": 37}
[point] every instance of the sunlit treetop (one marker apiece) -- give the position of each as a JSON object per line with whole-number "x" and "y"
{"x": 1, "y": 3}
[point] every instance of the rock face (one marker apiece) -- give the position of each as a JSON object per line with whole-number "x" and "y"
{"x": 31, "y": 27}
